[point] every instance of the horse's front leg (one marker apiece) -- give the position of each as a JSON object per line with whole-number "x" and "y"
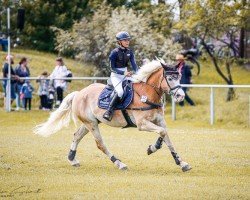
{"x": 146, "y": 125}
{"x": 153, "y": 148}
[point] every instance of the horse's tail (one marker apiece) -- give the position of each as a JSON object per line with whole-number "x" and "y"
{"x": 58, "y": 119}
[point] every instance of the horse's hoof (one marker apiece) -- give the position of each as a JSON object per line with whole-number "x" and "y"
{"x": 121, "y": 165}
{"x": 186, "y": 168}
{"x": 149, "y": 151}
{"x": 124, "y": 168}
{"x": 74, "y": 163}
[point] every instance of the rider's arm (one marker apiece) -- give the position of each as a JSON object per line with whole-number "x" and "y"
{"x": 133, "y": 62}
{"x": 112, "y": 58}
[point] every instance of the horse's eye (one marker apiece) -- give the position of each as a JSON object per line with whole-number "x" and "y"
{"x": 170, "y": 79}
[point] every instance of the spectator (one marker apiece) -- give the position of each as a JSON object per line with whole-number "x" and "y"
{"x": 26, "y": 94}
{"x": 23, "y": 71}
{"x": 43, "y": 90}
{"x": 60, "y": 71}
{"x": 185, "y": 78}
{"x": 14, "y": 77}
{"x": 4, "y": 43}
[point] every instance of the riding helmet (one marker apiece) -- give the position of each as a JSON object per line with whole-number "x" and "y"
{"x": 123, "y": 35}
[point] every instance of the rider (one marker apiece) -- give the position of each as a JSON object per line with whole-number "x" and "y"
{"x": 119, "y": 59}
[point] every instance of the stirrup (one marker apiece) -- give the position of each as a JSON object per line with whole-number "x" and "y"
{"x": 108, "y": 115}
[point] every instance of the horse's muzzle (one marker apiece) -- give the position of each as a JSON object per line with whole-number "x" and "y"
{"x": 179, "y": 95}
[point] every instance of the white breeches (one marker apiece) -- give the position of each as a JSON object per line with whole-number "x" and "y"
{"x": 117, "y": 80}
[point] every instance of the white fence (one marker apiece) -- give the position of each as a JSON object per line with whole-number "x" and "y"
{"x": 212, "y": 100}
{"x": 212, "y": 87}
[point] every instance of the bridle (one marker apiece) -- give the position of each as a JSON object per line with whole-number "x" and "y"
{"x": 166, "y": 71}
{"x": 158, "y": 90}
{"x": 170, "y": 71}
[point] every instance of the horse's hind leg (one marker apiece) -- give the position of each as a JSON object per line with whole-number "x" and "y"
{"x": 100, "y": 144}
{"x": 78, "y": 135}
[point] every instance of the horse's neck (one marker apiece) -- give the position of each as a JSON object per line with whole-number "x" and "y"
{"x": 155, "y": 78}
{"x": 151, "y": 87}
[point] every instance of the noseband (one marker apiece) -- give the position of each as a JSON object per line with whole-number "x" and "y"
{"x": 170, "y": 71}
{"x": 158, "y": 90}
{"x": 166, "y": 71}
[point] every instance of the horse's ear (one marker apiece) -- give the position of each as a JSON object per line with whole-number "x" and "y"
{"x": 163, "y": 65}
{"x": 161, "y": 61}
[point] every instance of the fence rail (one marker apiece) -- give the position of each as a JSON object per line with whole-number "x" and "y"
{"x": 212, "y": 87}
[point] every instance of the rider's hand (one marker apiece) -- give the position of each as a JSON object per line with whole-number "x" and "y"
{"x": 16, "y": 77}
{"x": 128, "y": 73}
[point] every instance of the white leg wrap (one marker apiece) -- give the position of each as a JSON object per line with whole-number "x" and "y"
{"x": 153, "y": 149}
{"x": 73, "y": 146}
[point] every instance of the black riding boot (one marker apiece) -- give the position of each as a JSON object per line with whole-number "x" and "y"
{"x": 110, "y": 111}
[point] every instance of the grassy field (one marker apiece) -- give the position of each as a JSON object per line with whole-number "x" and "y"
{"x": 32, "y": 167}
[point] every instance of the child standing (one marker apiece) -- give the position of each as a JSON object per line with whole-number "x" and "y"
{"x": 26, "y": 94}
{"x": 43, "y": 90}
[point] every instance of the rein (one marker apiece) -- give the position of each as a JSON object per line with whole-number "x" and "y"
{"x": 144, "y": 99}
{"x": 153, "y": 105}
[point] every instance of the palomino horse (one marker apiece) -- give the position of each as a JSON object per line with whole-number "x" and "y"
{"x": 150, "y": 82}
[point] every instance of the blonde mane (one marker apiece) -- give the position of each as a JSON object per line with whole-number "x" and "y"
{"x": 146, "y": 70}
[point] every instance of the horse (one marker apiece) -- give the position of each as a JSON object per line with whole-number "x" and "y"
{"x": 145, "y": 111}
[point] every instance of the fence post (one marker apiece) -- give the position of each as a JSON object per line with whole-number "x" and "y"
{"x": 8, "y": 82}
{"x": 173, "y": 109}
{"x": 212, "y": 106}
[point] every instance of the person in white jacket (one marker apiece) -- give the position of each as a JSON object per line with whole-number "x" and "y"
{"x": 60, "y": 71}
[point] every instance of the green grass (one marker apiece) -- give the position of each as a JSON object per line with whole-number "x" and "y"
{"x": 32, "y": 167}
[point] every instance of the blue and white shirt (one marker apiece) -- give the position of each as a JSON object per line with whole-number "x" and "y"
{"x": 119, "y": 58}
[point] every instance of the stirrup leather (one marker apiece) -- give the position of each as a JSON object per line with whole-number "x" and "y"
{"x": 108, "y": 115}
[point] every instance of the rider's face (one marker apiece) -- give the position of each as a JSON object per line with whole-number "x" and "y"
{"x": 124, "y": 43}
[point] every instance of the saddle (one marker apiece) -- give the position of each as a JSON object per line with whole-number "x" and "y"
{"x": 108, "y": 92}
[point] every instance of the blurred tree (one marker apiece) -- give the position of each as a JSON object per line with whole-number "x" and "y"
{"x": 213, "y": 19}
{"x": 160, "y": 18}
{"x": 92, "y": 40}
{"x": 181, "y": 5}
{"x": 4, "y": 4}
{"x": 243, "y": 31}
{"x": 41, "y": 14}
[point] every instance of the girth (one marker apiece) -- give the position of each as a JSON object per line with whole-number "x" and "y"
{"x": 150, "y": 107}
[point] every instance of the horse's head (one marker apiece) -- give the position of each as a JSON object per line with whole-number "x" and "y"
{"x": 171, "y": 82}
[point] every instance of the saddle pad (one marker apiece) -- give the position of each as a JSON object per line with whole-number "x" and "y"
{"x": 104, "y": 98}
